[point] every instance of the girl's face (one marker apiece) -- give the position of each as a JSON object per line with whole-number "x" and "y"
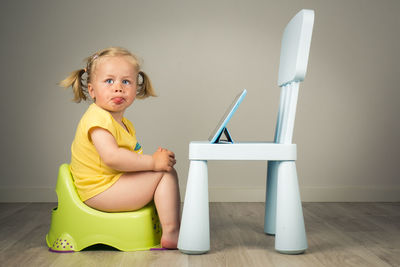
{"x": 114, "y": 84}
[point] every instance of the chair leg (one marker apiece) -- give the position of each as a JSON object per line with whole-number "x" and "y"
{"x": 290, "y": 235}
{"x": 270, "y": 198}
{"x": 194, "y": 235}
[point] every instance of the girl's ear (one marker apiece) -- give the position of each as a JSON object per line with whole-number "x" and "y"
{"x": 91, "y": 91}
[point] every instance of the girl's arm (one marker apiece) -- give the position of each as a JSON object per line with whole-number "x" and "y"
{"x": 125, "y": 160}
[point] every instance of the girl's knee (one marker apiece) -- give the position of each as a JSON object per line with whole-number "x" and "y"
{"x": 172, "y": 174}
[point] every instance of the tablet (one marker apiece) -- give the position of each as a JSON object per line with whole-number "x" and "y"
{"x": 221, "y": 127}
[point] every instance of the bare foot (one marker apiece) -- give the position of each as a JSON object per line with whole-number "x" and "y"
{"x": 170, "y": 240}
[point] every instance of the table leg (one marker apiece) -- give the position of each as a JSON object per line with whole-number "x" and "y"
{"x": 270, "y": 198}
{"x": 290, "y": 237}
{"x": 194, "y": 235}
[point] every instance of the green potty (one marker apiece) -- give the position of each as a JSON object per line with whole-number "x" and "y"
{"x": 75, "y": 226}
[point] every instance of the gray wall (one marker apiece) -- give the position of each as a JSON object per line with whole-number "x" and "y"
{"x": 200, "y": 54}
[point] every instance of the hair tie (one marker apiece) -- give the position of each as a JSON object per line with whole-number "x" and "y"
{"x": 140, "y": 78}
{"x": 95, "y": 56}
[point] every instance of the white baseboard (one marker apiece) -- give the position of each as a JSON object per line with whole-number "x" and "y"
{"x": 350, "y": 194}
{"x": 310, "y": 194}
{"x": 235, "y": 194}
{"x": 28, "y": 194}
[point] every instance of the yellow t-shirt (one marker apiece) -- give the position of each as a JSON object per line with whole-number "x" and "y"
{"x": 91, "y": 175}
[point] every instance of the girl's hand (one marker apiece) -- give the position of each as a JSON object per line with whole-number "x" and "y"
{"x": 164, "y": 160}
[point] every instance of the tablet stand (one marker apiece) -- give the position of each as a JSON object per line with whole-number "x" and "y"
{"x": 228, "y": 137}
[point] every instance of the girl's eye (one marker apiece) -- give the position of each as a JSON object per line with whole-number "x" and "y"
{"x": 126, "y": 82}
{"x": 109, "y": 81}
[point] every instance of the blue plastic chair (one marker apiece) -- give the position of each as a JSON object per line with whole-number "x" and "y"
{"x": 283, "y": 210}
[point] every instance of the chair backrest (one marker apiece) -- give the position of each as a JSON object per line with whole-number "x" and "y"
{"x": 296, "y": 41}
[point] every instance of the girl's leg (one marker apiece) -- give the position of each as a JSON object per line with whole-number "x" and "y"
{"x": 134, "y": 190}
{"x": 167, "y": 200}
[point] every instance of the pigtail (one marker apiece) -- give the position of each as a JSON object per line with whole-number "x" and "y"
{"x": 78, "y": 87}
{"x": 145, "y": 88}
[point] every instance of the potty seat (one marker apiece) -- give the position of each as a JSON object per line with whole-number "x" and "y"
{"x": 75, "y": 226}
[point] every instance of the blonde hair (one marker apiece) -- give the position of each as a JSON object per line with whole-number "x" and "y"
{"x": 79, "y": 82}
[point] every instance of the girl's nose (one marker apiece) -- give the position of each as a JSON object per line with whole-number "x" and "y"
{"x": 118, "y": 88}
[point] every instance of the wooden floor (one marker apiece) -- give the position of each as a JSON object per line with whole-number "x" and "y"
{"x": 339, "y": 234}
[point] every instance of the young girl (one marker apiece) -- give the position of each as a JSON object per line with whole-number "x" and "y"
{"x": 110, "y": 171}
